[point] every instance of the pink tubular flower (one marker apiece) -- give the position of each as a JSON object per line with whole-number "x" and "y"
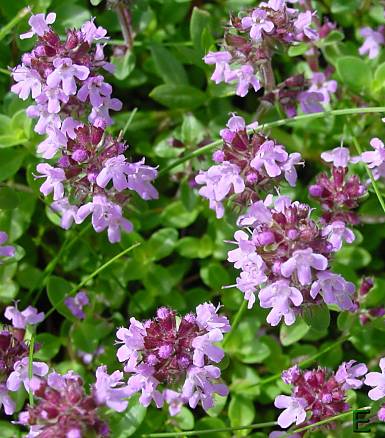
{"x": 349, "y": 373}
{"x": 28, "y": 82}
{"x": 53, "y": 143}
{"x": 257, "y": 23}
{"x": 269, "y": 155}
{"x": 92, "y": 33}
{"x": 336, "y": 233}
{"x": 100, "y": 115}
{"x": 339, "y": 157}
{"x": 20, "y": 375}
{"x": 68, "y": 212}
{"x": 110, "y": 390}
{"x": 20, "y": 320}
{"x": 334, "y": 290}
{"x": 75, "y": 304}
{"x": 377, "y": 381}
{"x": 321, "y": 85}
{"x": 39, "y": 25}
{"x": 163, "y": 352}
{"x": 303, "y": 25}
{"x": 222, "y": 68}
{"x": 95, "y": 89}
{"x": 54, "y": 180}
{"x": 374, "y": 39}
{"x": 246, "y": 78}
{"x": 375, "y": 159}
{"x": 301, "y": 263}
{"x": 65, "y": 73}
{"x": 6, "y": 401}
{"x": 5, "y": 250}
{"x": 294, "y": 410}
{"x": 105, "y": 215}
{"x": 281, "y": 298}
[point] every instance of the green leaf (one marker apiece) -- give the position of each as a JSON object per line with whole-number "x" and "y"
{"x": 177, "y": 215}
{"x": 376, "y": 295}
{"x": 192, "y": 131}
{"x": 333, "y": 37}
{"x": 289, "y": 334}
{"x": 50, "y": 346}
{"x": 241, "y": 411}
{"x": 317, "y": 317}
{"x": 124, "y": 65}
{"x": 124, "y": 424}
{"x": 192, "y": 247}
{"x": 9, "y": 430}
{"x": 185, "y": 419}
{"x": 87, "y": 334}
{"x": 168, "y": 66}
{"x": 298, "y": 49}
{"x": 10, "y": 162}
{"x": 206, "y": 423}
{"x": 161, "y": 244}
{"x": 9, "y": 198}
{"x": 379, "y": 78}
{"x": 57, "y": 291}
{"x": 178, "y": 96}
{"x": 354, "y": 72}
{"x": 354, "y": 257}
{"x": 199, "y": 29}
{"x": 214, "y": 275}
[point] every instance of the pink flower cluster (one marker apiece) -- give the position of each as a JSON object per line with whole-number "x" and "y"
{"x": 246, "y": 164}
{"x": 286, "y": 255}
{"x": 72, "y": 105}
{"x": 14, "y": 356}
{"x": 377, "y": 381}
{"x": 171, "y": 359}
{"x": 317, "y": 394}
{"x": 248, "y": 41}
{"x": 340, "y": 192}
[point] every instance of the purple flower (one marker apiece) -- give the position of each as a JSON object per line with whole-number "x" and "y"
{"x": 20, "y": 320}
{"x": 203, "y": 346}
{"x": 175, "y": 401}
{"x": 377, "y": 380}
{"x": 257, "y": 23}
{"x": 39, "y": 25}
{"x": 269, "y": 155}
{"x": 294, "y": 410}
{"x": 199, "y": 387}
{"x": 276, "y": 5}
{"x": 6, "y": 401}
{"x": 374, "y": 39}
{"x": 302, "y": 25}
{"x": 95, "y": 89}
{"x": 291, "y": 375}
{"x": 348, "y": 372}
{"x": 218, "y": 181}
{"x": 132, "y": 340}
{"x": 147, "y": 385}
{"x": 68, "y": 212}
{"x": 222, "y": 68}
{"x": 5, "y": 250}
{"x": 46, "y": 120}
{"x": 256, "y": 213}
{"x": 28, "y": 82}
{"x": 339, "y": 157}
{"x": 53, "y": 97}
{"x": 100, "y": 116}
{"x": 248, "y": 282}
{"x": 381, "y": 413}
{"x": 92, "y": 33}
{"x": 207, "y": 318}
{"x": 301, "y": 262}
{"x": 20, "y": 375}
{"x": 54, "y": 180}
{"x": 75, "y": 304}
{"x": 105, "y": 214}
{"x": 55, "y": 140}
{"x": 336, "y": 233}
{"x": 321, "y": 85}
{"x": 375, "y": 159}
{"x": 139, "y": 177}
{"x": 334, "y": 290}
{"x": 65, "y": 73}
{"x": 110, "y": 390}
{"x": 310, "y": 101}
{"x": 246, "y": 78}
{"x": 280, "y": 297}
{"x": 245, "y": 253}
{"x": 289, "y": 169}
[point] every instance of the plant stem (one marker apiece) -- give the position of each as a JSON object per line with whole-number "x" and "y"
{"x": 237, "y": 320}
{"x": 5, "y": 30}
{"x": 94, "y": 274}
{"x": 30, "y": 371}
{"x": 208, "y": 431}
{"x": 216, "y": 143}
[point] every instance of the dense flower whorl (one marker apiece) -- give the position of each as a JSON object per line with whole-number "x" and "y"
{"x": 72, "y": 105}
{"x": 246, "y": 165}
{"x": 286, "y": 255}
{"x": 170, "y": 359}
{"x": 340, "y": 192}
{"x": 63, "y": 409}
{"x": 248, "y": 42}
{"x": 317, "y": 394}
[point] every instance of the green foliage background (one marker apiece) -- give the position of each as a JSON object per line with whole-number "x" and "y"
{"x": 181, "y": 259}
